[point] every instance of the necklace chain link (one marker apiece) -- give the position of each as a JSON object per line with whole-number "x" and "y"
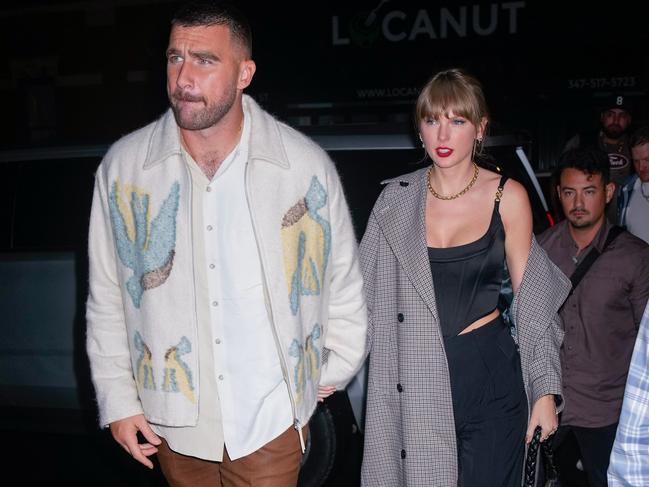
{"x": 476, "y": 170}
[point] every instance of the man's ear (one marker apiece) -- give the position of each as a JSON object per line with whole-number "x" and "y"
{"x": 610, "y": 191}
{"x": 247, "y": 70}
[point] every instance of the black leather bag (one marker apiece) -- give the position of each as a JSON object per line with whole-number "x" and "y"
{"x": 533, "y": 474}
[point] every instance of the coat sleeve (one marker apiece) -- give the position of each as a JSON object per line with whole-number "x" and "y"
{"x": 540, "y": 329}
{"x": 545, "y": 370}
{"x": 106, "y": 338}
{"x": 347, "y": 324}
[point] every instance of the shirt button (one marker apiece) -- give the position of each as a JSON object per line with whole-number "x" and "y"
{"x": 221, "y": 377}
{"x": 208, "y": 189}
{"x": 209, "y": 228}
{"x": 217, "y": 341}
{"x": 400, "y": 317}
{"x": 215, "y": 303}
{"x": 403, "y": 453}
{"x": 399, "y": 388}
{"x": 212, "y": 266}
{"x": 569, "y": 347}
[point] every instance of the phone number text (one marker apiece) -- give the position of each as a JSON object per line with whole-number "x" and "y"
{"x": 596, "y": 83}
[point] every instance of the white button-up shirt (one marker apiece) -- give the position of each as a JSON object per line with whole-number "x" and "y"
{"x": 637, "y": 216}
{"x": 238, "y": 353}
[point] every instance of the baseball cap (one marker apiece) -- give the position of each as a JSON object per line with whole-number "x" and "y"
{"x": 619, "y": 101}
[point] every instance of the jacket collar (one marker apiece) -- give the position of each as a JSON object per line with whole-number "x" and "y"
{"x": 165, "y": 138}
{"x": 568, "y": 243}
{"x": 402, "y": 214}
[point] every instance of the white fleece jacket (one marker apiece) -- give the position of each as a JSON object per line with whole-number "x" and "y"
{"x": 141, "y": 310}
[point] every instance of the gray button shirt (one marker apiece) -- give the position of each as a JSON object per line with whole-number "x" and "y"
{"x": 601, "y": 319}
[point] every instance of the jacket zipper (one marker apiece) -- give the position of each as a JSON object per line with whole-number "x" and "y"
{"x": 282, "y": 361}
{"x": 191, "y": 233}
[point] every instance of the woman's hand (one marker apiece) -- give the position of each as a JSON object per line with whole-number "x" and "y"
{"x": 543, "y": 415}
{"x": 325, "y": 391}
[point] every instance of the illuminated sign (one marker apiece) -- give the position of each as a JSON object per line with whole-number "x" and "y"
{"x": 365, "y": 28}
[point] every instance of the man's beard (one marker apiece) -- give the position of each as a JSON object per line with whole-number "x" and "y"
{"x": 203, "y": 118}
{"x": 613, "y": 131}
{"x": 584, "y": 222}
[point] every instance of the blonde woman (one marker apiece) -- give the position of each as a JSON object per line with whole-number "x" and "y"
{"x": 452, "y": 396}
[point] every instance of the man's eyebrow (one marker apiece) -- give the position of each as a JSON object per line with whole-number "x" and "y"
{"x": 204, "y": 55}
{"x": 172, "y": 51}
{"x": 591, "y": 186}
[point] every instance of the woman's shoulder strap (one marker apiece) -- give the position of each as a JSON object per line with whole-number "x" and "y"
{"x": 499, "y": 191}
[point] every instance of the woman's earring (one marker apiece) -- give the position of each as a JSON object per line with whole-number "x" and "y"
{"x": 422, "y": 141}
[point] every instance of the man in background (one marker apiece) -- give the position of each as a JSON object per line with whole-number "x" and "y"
{"x": 602, "y": 314}
{"x": 612, "y": 137}
{"x": 633, "y": 201}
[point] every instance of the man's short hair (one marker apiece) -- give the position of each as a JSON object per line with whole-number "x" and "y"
{"x": 590, "y": 160}
{"x": 204, "y": 13}
{"x": 640, "y": 137}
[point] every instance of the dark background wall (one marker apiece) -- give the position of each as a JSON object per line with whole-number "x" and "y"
{"x": 88, "y": 72}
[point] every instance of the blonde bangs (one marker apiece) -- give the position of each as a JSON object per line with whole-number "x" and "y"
{"x": 451, "y": 92}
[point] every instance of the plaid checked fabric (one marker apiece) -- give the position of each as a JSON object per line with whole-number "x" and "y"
{"x": 410, "y": 429}
{"x": 630, "y": 456}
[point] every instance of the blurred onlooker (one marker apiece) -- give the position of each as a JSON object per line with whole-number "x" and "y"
{"x": 629, "y": 465}
{"x": 601, "y": 315}
{"x": 633, "y": 201}
{"x": 613, "y": 138}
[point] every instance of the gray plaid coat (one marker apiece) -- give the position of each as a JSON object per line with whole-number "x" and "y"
{"x": 409, "y": 429}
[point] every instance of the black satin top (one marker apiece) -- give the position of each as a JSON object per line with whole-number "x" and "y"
{"x": 468, "y": 277}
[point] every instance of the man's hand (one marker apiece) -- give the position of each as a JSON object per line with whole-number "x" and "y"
{"x": 543, "y": 415}
{"x": 125, "y": 433}
{"x": 325, "y": 391}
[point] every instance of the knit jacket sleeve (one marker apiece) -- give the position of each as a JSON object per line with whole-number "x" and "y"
{"x": 347, "y": 323}
{"x": 106, "y": 340}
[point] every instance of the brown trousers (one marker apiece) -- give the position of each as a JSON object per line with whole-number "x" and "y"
{"x": 276, "y": 464}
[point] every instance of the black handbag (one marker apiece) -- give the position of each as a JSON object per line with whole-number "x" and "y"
{"x": 532, "y": 470}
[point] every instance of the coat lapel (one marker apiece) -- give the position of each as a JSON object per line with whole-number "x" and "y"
{"x": 402, "y": 221}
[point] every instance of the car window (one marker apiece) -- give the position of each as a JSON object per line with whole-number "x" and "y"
{"x": 46, "y": 203}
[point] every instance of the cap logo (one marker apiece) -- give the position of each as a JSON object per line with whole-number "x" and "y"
{"x": 619, "y": 101}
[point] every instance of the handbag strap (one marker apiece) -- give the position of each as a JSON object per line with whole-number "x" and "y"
{"x": 530, "y": 470}
{"x": 529, "y": 473}
{"x": 592, "y": 256}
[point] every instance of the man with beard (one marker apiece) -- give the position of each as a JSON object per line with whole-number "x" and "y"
{"x": 225, "y": 291}
{"x": 602, "y": 314}
{"x": 612, "y": 137}
{"x": 634, "y": 196}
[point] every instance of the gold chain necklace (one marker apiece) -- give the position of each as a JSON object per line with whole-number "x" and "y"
{"x": 453, "y": 196}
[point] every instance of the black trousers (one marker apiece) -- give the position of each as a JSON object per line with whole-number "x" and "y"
{"x": 489, "y": 404}
{"x": 590, "y": 445}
